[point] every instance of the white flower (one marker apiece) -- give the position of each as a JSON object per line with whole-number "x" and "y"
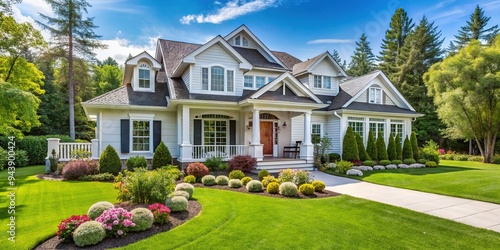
{"x": 354, "y": 172}
{"x": 391, "y": 166}
{"x": 402, "y": 166}
{"x": 417, "y": 165}
{"x": 378, "y": 167}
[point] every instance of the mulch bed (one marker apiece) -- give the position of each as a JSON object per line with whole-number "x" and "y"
{"x": 175, "y": 219}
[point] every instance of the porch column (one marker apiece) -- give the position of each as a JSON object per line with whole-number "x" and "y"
{"x": 186, "y": 150}
{"x": 307, "y": 148}
{"x": 256, "y": 149}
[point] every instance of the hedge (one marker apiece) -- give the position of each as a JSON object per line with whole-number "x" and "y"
{"x": 35, "y": 146}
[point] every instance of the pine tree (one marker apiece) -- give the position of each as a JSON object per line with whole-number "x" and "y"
{"x": 338, "y": 59}
{"x": 391, "y": 148}
{"x": 74, "y": 35}
{"x": 395, "y": 36}
{"x": 362, "y": 62}
{"x": 363, "y": 156}
{"x": 414, "y": 145}
{"x": 349, "y": 146}
{"x": 381, "y": 147}
{"x": 399, "y": 147}
{"x": 371, "y": 148}
{"x": 474, "y": 30}
{"x": 407, "y": 151}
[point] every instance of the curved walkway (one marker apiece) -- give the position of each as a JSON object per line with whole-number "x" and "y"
{"x": 475, "y": 213}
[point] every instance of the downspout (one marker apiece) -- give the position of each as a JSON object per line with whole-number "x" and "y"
{"x": 337, "y": 115}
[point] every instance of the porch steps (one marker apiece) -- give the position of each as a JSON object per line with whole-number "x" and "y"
{"x": 274, "y": 166}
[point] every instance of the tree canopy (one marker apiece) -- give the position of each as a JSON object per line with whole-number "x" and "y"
{"x": 363, "y": 60}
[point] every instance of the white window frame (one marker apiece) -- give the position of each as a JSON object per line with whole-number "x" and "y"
{"x": 209, "y": 78}
{"x": 352, "y": 120}
{"x": 141, "y": 117}
{"x": 324, "y": 82}
{"x": 142, "y": 65}
{"x": 241, "y": 41}
{"x": 267, "y": 79}
{"x": 253, "y": 81}
{"x": 317, "y": 82}
{"x": 215, "y": 120}
{"x": 375, "y": 95}
{"x": 396, "y": 123}
{"x": 378, "y": 121}
{"x": 263, "y": 82}
{"x": 320, "y": 128}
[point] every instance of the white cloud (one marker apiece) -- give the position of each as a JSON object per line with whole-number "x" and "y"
{"x": 120, "y": 48}
{"x": 231, "y": 10}
{"x": 320, "y": 41}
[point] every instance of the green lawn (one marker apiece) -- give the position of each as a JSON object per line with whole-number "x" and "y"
{"x": 233, "y": 220}
{"x": 466, "y": 179}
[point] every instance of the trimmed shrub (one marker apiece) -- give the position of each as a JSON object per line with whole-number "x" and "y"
{"x": 350, "y": 150}
{"x": 477, "y": 158}
{"x": 460, "y": 157}
{"x": 179, "y": 193}
{"x": 286, "y": 175}
{"x": 371, "y": 148}
{"x": 221, "y": 180}
{"x": 244, "y": 163}
{"x": 89, "y": 233}
{"x": 245, "y": 180}
{"x": 190, "y": 179}
{"x": 381, "y": 148}
{"x": 369, "y": 163}
{"x": 306, "y": 189}
{"x": 177, "y": 203}
{"x": 185, "y": 187}
{"x": 213, "y": 163}
{"x": 396, "y": 162}
{"x": 334, "y": 157}
{"x": 301, "y": 177}
{"x": 254, "y": 186}
{"x": 414, "y": 146}
{"x": 407, "y": 150}
{"x": 363, "y": 156}
{"x": 384, "y": 162}
{"x": 430, "y": 152}
{"x": 21, "y": 158}
{"x": 136, "y": 162}
{"x": 391, "y": 166}
{"x": 142, "y": 218}
{"x": 288, "y": 189}
{"x": 236, "y": 174}
{"x": 496, "y": 159}
{"x": 409, "y": 161}
{"x": 161, "y": 156}
{"x": 197, "y": 169}
{"x": 98, "y": 208}
{"x": 354, "y": 172}
{"x": 431, "y": 164}
{"x": 422, "y": 161}
{"x": 97, "y": 177}
{"x": 319, "y": 186}
{"x": 208, "y": 180}
{"x": 263, "y": 173}
{"x": 268, "y": 179}
{"x": 110, "y": 162}
{"x": 344, "y": 166}
{"x": 399, "y": 147}
{"x": 273, "y": 188}
{"x": 142, "y": 186}
{"x": 79, "y": 168}
{"x": 391, "y": 148}
{"x": 235, "y": 183}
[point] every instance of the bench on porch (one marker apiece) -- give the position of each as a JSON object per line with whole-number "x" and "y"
{"x": 292, "y": 150}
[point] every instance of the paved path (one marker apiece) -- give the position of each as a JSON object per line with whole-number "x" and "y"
{"x": 475, "y": 213}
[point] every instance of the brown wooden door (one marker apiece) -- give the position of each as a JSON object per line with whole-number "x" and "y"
{"x": 266, "y": 137}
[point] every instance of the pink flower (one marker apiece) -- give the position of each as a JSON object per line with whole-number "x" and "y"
{"x": 115, "y": 222}
{"x": 120, "y": 232}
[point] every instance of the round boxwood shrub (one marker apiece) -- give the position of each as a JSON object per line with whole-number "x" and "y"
{"x": 143, "y": 219}
{"x": 98, "y": 208}
{"x": 273, "y": 188}
{"x": 422, "y": 161}
{"x": 246, "y": 180}
{"x": 288, "y": 189}
{"x": 221, "y": 180}
{"x": 197, "y": 169}
{"x": 190, "y": 179}
{"x": 161, "y": 156}
{"x": 110, "y": 162}
{"x": 136, "y": 162}
{"x": 268, "y": 179}
{"x": 431, "y": 164}
{"x": 263, "y": 173}
{"x": 384, "y": 162}
{"x": 179, "y": 193}
{"x": 234, "y": 183}
{"x": 254, "y": 186}
{"x": 185, "y": 187}
{"x": 396, "y": 162}
{"x": 177, "y": 203}
{"x": 208, "y": 180}
{"x": 409, "y": 161}
{"x": 369, "y": 163}
{"x": 89, "y": 233}
{"x": 306, "y": 189}
{"x": 236, "y": 174}
{"x": 319, "y": 186}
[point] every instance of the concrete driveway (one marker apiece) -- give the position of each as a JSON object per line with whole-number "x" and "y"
{"x": 471, "y": 212}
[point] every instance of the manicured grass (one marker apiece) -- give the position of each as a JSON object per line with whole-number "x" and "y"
{"x": 466, "y": 179}
{"x": 234, "y": 220}
{"x": 42, "y": 204}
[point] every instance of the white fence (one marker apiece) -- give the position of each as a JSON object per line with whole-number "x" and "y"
{"x": 64, "y": 149}
{"x": 202, "y": 152}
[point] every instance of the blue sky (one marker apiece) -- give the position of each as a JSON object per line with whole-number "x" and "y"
{"x": 303, "y": 28}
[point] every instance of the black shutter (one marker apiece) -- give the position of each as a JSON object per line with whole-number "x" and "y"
{"x": 197, "y": 131}
{"x": 232, "y": 132}
{"x": 156, "y": 134}
{"x": 125, "y": 135}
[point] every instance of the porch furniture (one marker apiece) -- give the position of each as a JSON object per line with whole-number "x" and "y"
{"x": 295, "y": 150}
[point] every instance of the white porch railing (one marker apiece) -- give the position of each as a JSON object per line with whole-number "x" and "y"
{"x": 64, "y": 149}
{"x": 202, "y": 152}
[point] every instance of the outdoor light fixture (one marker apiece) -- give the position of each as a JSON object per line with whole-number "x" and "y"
{"x": 249, "y": 126}
{"x": 284, "y": 125}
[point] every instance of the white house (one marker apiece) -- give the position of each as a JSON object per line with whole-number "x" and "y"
{"x": 233, "y": 96}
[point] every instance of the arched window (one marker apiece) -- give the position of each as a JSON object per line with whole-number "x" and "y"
{"x": 144, "y": 76}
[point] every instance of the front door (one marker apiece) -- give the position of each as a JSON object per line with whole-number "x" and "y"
{"x": 266, "y": 137}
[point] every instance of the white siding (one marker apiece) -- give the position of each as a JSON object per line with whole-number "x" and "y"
{"x": 388, "y": 100}
{"x": 325, "y": 68}
{"x": 333, "y": 130}
{"x": 304, "y": 80}
{"x": 297, "y": 128}
{"x": 216, "y": 56}
{"x": 261, "y": 73}
{"x": 111, "y": 132}
{"x": 363, "y": 97}
{"x": 186, "y": 77}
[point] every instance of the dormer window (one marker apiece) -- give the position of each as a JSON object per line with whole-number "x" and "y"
{"x": 375, "y": 95}
{"x": 241, "y": 41}
{"x": 144, "y": 76}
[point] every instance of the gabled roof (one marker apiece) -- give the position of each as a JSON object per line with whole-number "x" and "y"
{"x": 173, "y": 52}
{"x": 256, "y": 58}
{"x": 244, "y": 28}
{"x": 133, "y": 61}
{"x": 307, "y": 66}
{"x": 287, "y": 59}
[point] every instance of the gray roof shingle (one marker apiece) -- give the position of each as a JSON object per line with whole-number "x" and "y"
{"x": 125, "y": 95}
{"x": 255, "y": 58}
{"x": 303, "y": 66}
{"x": 287, "y": 59}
